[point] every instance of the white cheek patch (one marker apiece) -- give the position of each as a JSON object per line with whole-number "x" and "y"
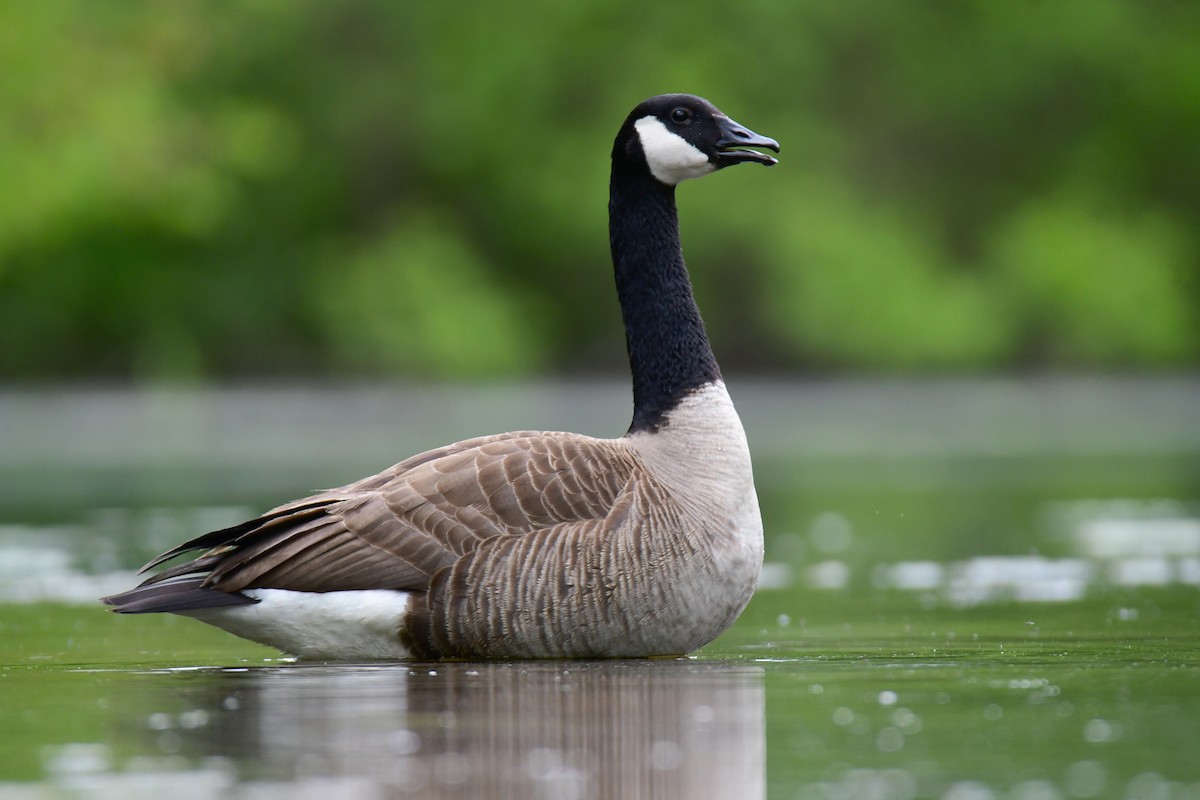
{"x": 670, "y": 157}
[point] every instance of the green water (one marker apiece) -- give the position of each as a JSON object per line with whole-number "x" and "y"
{"x": 856, "y": 699}
{"x": 962, "y": 625}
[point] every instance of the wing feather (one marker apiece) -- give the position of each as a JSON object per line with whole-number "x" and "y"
{"x": 398, "y": 528}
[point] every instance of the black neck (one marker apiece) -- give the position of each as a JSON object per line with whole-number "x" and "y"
{"x": 669, "y": 353}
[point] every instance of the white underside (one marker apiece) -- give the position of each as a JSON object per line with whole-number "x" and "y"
{"x": 324, "y": 626}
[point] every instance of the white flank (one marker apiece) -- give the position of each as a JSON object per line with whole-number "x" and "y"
{"x": 324, "y": 626}
{"x": 670, "y": 157}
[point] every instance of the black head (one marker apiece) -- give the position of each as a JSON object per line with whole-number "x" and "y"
{"x": 681, "y": 136}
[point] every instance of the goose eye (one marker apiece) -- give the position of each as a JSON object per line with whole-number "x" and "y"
{"x": 681, "y": 115}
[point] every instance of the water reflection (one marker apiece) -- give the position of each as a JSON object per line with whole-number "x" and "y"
{"x": 669, "y": 729}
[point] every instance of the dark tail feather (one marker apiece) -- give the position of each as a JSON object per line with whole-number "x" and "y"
{"x": 180, "y": 594}
{"x": 181, "y": 588}
{"x": 229, "y": 536}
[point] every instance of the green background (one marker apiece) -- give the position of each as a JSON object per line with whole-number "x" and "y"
{"x": 383, "y": 189}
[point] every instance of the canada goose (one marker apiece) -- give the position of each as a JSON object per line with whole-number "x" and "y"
{"x": 529, "y": 544}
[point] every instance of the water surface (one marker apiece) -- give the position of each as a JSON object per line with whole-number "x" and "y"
{"x": 976, "y": 589}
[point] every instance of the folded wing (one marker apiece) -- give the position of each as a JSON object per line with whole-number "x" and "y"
{"x": 397, "y": 529}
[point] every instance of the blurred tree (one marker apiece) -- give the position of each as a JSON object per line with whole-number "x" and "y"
{"x": 399, "y": 188}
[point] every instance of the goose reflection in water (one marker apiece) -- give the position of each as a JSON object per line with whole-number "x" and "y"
{"x": 661, "y": 729}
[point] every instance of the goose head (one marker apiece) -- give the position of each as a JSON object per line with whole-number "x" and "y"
{"x": 681, "y": 136}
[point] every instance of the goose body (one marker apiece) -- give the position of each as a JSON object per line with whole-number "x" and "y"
{"x": 529, "y": 544}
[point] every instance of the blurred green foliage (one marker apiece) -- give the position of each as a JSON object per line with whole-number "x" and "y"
{"x": 283, "y": 188}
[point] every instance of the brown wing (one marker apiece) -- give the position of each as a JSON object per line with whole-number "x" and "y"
{"x": 397, "y": 528}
